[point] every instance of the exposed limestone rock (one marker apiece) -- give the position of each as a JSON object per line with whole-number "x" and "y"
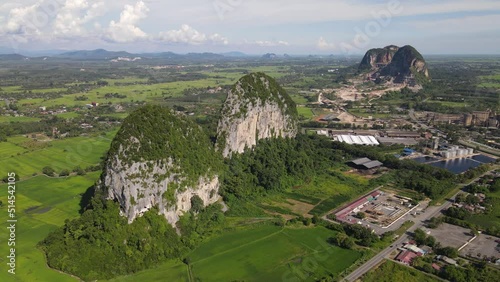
{"x": 256, "y": 108}
{"x": 378, "y": 57}
{"x": 392, "y": 64}
{"x": 160, "y": 159}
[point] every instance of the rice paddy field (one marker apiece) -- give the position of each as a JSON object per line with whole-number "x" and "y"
{"x": 42, "y": 204}
{"x": 19, "y": 154}
{"x": 265, "y": 253}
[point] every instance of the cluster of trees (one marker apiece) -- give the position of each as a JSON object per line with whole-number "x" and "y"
{"x": 276, "y": 164}
{"x": 348, "y": 234}
{"x": 422, "y": 239}
{"x": 466, "y": 272}
{"x": 342, "y": 240}
{"x": 430, "y": 181}
{"x": 78, "y": 170}
{"x": 100, "y": 244}
{"x": 467, "y": 199}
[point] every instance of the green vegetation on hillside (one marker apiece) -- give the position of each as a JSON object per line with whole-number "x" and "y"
{"x": 100, "y": 244}
{"x": 155, "y": 133}
{"x": 259, "y": 86}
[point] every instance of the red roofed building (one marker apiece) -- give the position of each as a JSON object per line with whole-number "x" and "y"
{"x": 406, "y": 257}
{"x": 436, "y": 267}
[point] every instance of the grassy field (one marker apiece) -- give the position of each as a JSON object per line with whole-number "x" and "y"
{"x": 449, "y": 104}
{"x": 265, "y": 253}
{"x": 42, "y": 204}
{"x": 168, "y": 271}
{"x": 491, "y": 81}
{"x": 391, "y": 271}
{"x": 281, "y": 254}
{"x": 7, "y": 119}
{"x": 60, "y": 154}
{"x": 364, "y": 114}
{"x": 305, "y": 112}
{"x": 333, "y": 190}
{"x": 69, "y": 115}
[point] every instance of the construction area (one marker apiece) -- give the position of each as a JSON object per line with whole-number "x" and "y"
{"x": 379, "y": 208}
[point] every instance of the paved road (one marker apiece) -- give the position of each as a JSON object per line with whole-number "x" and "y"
{"x": 419, "y": 223}
{"x": 430, "y": 212}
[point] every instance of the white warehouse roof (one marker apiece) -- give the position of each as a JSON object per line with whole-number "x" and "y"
{"x": 357, "y": 139}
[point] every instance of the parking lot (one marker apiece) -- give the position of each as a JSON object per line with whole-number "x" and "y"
{"x": 483, "y": 245}
{"x": 451, "y": 235}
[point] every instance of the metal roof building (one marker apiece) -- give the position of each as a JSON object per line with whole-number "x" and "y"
{"x": 357, "y": 139}
{"x": 366, "y": 163}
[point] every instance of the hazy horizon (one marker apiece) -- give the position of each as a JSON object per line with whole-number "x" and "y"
{"x": 252, "y": 27}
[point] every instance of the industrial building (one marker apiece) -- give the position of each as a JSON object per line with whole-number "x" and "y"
{"x": 357, "y": 140}
{"x": 365, "y": 163}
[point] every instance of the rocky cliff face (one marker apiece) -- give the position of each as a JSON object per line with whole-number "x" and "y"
{"x": 378, "y": 57}
{"x": 256, "y": 108}
{"x": 403, "y": 65}
{"x": 160, "y": 159}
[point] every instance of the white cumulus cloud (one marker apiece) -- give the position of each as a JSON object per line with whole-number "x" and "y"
{"x": 23, "y": 20}
{"x": 188, "y": 35}
{"x": 271, "y": 43}
{"x": 74, "y": 14}
{"x": 126, "y": 29}
{"x": 325, "y": 45}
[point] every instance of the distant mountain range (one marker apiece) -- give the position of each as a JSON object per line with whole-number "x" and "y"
{"x": 102, "y": 54}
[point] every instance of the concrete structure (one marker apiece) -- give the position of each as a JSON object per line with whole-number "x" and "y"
{"x": 403, "y": 134}
{"x": 391, "y": 141}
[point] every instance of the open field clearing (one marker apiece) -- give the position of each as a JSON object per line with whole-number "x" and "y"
{"x": 275, "y": 257}
{"x": 8, "y": 119}
{"x": 265, "y": 253}
{"x": 392, "y": 271}
{"x": 305, "y": 112}
{"x": 60, "y": 154}
{"x": 42, "y": 204}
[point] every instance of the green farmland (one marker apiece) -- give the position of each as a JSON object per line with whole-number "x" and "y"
{"x": 265, "y": 253}
{"x": 391, "y": 271}
{"x": 42, "y": 204}
{"x": 68, "y": 153}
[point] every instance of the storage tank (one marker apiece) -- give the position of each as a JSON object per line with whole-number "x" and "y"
{"x": 435, "y": 143}
{"x": 471, "y": 151}
{"x": 452, "y": 153}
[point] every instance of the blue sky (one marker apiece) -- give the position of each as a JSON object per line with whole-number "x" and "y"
{"x": 252, "y": 26}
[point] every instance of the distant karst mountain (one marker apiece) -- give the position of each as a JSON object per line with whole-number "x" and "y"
{"x": 256, "y": 108}
{"x": 403, "y": 65}
{"x": 269, "y": 56}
